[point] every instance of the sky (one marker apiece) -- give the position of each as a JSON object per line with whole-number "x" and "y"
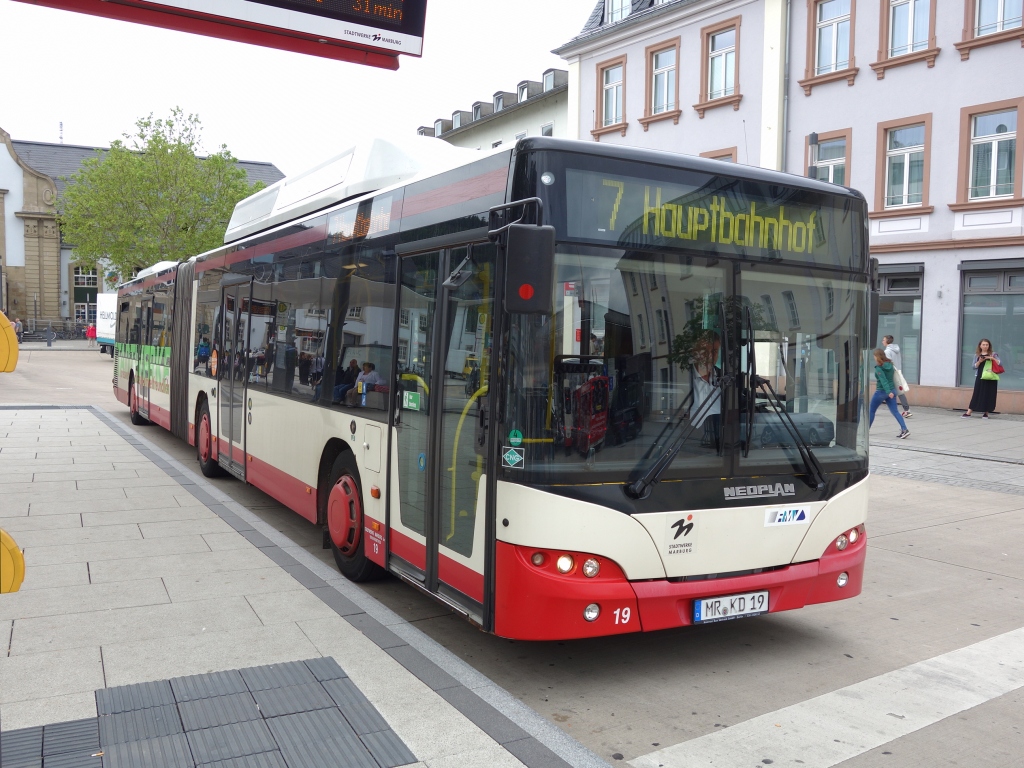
{"x": 99, "y": 76}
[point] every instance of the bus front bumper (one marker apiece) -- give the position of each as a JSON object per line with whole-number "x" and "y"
{"x": 536, "y": 604}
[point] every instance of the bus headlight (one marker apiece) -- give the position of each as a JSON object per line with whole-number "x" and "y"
{"x": 843, "y": 579}
{"x": 591, "y": 568}
{"x": 842, "y": 542}
{"x": 538, "y": 559}
{"x": 854, "y": 535}
{"x": 565, "y": 564}
{"x": 591, "y": 612}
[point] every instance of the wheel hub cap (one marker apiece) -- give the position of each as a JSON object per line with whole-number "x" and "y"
{"x": 204, "y": 438}
{"x": 345, "y": 516}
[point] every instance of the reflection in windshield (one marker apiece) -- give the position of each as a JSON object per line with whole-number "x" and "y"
{"x": 638, "y": 342}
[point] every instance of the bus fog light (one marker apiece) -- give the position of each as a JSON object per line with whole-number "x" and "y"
{"x": 843, "y": 579}
{"x": 591, "y": 568}
{"x": 591, "y": 612}
{"x": 565, "y": 563}
{"x": 538, "y": 559}
{"x": 842, "y": 542}
{"x": 854, "y": 534}
{"x": 547, "y": 178}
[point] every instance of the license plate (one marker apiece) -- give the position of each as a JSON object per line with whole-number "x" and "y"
{"x": 709, "y": 609}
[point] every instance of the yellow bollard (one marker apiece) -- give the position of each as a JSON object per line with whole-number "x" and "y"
{"x": 8, "y": 345}
{"x": 12, "y": 564}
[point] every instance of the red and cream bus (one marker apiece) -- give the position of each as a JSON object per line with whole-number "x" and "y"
{"x": 568, "y": 389}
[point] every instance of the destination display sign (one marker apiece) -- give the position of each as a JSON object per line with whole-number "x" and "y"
{"x": 372, "y": 32}
{"x": 715, "y": 213}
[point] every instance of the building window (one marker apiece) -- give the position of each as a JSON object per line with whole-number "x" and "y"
{"x": 833, "y": 36}
{"x": 993, "y": 309}
{"x": 355, "y": 313}
{"x": 663, "y": 96}
{"x": 662, "y": 328}
{"x": 403, "y": 318}
{"x": 495, "y": 145}
{"x": 899, "y": 316}
{"x": 520, "y": 135}
{"x": 993, "y": 154}
{"x": 549, "y": 81}
{"x": 997, "y": 16}
{"x": 403, "y": 353}
{"x": 85, "y": 278}
{"x": 611, "y": 95}
{"x": 794, "y": 312}
{"x": 424, "y": 322}
{"x": 477, "y": 112}
{"x": 640, "y": 328}
{"x": 722, "y": 65}
{"x": 616, "y": 10}
{"x": 499, "y": 102}
{"x": 904, "y": 166}
{"x": 832, "y": 160}
{"x": 725, "y": 155}
{"x": 830, "y": 300}
{"x": 547, "y": 130}
{"x": 524, "y": 93}
{"x": 456, "y": 121}
{"x": 908, "y": 26}
{"x": 769, "y": 311}
{"x": 632, "y": 282}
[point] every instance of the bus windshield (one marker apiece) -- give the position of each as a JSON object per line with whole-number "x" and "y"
{"x": 641, "y": 345}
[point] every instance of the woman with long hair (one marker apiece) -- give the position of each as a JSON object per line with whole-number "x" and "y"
{"x": 885, "y": 392}
{"x": 985, "y": 390}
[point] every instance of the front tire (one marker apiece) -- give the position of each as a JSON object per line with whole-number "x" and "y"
{"x": 204, "y": 444}
{"x": 133, "y": 405}
{"x": 344, "y": 516}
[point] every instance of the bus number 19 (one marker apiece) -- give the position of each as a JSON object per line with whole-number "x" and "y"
{"x": 622, "y": 615}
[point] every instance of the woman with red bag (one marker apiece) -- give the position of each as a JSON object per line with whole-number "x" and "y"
{"x": 986, "y": 383}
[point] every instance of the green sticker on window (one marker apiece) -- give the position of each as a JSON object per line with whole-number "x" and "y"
{"x": 515, "y": 438}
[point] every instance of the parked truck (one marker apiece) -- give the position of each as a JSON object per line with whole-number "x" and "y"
{"x": 106, "y": 322}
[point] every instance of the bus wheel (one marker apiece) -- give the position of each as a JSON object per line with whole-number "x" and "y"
{"x": 204, "y": 444}
{"x": 345, "y": 522}
{"x": 133, "y": 405}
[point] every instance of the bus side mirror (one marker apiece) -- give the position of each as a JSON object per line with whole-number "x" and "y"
{"x": 530, "y": 268}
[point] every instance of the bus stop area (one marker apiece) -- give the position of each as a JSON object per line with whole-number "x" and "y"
{"x": 160, "y": 623}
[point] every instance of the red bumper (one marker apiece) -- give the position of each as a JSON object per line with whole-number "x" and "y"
{"x": 538, "y": 603}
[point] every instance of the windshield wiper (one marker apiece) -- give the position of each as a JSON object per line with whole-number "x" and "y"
{"x": 810, "y": 461}
{"x": 638, "y": 488}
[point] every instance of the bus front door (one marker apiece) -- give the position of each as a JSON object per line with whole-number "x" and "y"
{"x": 232, "y": 372}
{"x": 145, "y": 374}
{"x": 441, "y": 434}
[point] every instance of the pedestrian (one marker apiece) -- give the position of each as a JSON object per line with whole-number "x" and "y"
{"x": 19, "y": 329}
{"x": 885, "y": 392}
{"x": 90, "y": 334}
{"x": 986, "y": 382}
{"x": 892, "y": 351}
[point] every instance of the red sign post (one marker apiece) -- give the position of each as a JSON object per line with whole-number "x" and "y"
{"x": 369, "y": 32}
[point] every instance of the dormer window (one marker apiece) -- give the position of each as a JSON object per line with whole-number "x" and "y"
{"x": 616, "y": 10}
{"x": 549, "y": 81}
{"x": 499, "y": 102}
{"x": 438, "y": 127}
{"x": 456, "y": 121}
{"x": 524, "y": 93}
{"x": 476, "y": 113}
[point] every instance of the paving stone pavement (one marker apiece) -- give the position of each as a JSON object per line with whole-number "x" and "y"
{"x": 149, "y": 595}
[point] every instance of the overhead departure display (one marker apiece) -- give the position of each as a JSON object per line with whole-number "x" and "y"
{"x": 372, "y": 32}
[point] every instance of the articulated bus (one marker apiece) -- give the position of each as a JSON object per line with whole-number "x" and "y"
{"x": 568, "y": 389}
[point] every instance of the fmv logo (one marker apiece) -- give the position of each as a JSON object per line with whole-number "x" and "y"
{"x": 786, "y": 516}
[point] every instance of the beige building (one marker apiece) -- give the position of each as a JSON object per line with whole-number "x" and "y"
{"x": 39, "y": 281}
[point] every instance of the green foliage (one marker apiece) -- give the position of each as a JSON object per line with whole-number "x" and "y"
{"x": 151, "y": 197}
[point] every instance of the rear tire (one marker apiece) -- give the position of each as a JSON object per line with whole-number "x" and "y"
{"x": 133, "y": 405}
{"x": 204, "y": 444}
{"x": 344, "y": 517}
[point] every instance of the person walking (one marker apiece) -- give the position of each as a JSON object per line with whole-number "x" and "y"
{"x": 986, "y": 382}
{"x": 90, "y": 334}
{"x": 892, "y": 351}
{"x": 19, "y": 329}
{"x": 885, "y": 392}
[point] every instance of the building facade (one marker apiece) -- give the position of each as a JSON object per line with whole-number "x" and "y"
{"x": 910, "y": 101}
{"x": 535, "y": 108}
{"x": 39, "y": 281}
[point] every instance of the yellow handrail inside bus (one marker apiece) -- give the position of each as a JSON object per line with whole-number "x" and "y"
{"x": 417, "y": 379}
{"x": 455, "y": 452}
{"x": 8, "y": 345}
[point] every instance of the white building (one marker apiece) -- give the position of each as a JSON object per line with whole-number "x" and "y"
{"x": 535, "y": 108}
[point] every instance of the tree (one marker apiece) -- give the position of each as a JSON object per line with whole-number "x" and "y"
{"x": 151, "y": 197}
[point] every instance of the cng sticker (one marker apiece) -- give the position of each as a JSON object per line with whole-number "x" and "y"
{"x": 515, "y": 438}
{"x": 411, "y": 401}
{"x": 512, "y": 458}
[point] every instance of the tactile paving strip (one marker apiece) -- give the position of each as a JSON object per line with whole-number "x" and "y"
{"x": 294, "y": 715}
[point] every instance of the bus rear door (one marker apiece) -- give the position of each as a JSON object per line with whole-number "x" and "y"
{"x": 232, "y": 370}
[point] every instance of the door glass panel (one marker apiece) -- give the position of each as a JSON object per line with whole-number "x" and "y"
{"x": 463, "y": 429}
{"x": 811, "y": 361}
{"x": 234, "y": 366}
{"x": 415, "y": 331}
